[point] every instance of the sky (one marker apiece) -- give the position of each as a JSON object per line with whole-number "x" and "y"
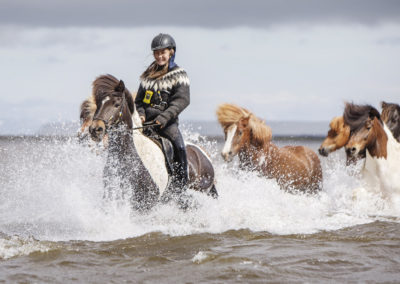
{"x": 282, "y": 60}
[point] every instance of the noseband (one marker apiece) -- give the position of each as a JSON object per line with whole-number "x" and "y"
{"x": 123, "y": 103}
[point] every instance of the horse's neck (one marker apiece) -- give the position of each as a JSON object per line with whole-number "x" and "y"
{"x": 382, "y": 172}
{"x": 378, "y": 147}
{"x": 259, "y": 156}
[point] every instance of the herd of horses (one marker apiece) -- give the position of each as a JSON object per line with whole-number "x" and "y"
{"x": 141, "y": 165}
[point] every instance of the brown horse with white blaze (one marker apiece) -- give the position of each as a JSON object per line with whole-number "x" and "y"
{"x": 295, "y": 168}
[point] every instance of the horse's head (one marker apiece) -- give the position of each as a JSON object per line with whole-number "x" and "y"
{"x": 248, "y": 131}
{"x": 237, "y": 136}
{"x": 338, "y": 136}
{"x": 367, "y": 134}
{"x": 113, "y": 107}
{"x": 391, "y": 117}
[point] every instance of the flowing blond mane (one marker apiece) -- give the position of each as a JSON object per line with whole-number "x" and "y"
{"x": 229, "y": 114}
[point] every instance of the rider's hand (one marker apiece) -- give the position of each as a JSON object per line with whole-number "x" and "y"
{"x": 158, "y": 123}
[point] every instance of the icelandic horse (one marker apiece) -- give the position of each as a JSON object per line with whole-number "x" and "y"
{"x": 295, "y": 168}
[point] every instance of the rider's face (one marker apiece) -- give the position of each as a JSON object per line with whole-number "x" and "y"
{"x": 162, "y": 56}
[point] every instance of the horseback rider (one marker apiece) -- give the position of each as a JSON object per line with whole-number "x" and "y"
{"x": 163, "y": 94}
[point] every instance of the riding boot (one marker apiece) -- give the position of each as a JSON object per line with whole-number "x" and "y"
{"x": 181, "y": 169}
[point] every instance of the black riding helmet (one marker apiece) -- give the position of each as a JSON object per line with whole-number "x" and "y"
{"x": 163, "y": 41}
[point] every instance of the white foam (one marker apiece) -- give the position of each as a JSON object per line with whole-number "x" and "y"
{"x": 54, "y": 192}
{"x": 16, "y": 246}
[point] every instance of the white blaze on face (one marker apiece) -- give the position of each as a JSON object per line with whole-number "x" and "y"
{"x": 105, "y": 100}
{"x": 230, "y": 133}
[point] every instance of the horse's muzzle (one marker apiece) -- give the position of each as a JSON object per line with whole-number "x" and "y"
{"x": 97, "y": 131}
{"x": 323, "y": 152}
{"x": 227, "y": 156}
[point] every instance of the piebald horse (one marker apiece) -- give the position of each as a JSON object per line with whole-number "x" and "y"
{"x": 135, "y": 162}
{"x": 295, "y": 168}
{"x": 370, "y": 134}
{"x": 337, "y": 137}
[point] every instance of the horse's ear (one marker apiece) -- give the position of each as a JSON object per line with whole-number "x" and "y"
{"x": 120, "y": 87}
{"x": 374, "y": 113}
{"x": 384, "y": 104}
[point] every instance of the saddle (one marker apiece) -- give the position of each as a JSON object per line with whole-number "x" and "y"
{"x": 165, "y": 146}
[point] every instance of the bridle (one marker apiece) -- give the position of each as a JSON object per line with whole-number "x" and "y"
{"x": 119, "y": 120}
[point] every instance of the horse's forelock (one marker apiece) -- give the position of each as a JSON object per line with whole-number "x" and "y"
{"x": 356, "y": 115}
{"x": 229, "y": 114}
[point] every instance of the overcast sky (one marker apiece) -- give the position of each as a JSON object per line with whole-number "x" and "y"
{"x": 283, "y": 60}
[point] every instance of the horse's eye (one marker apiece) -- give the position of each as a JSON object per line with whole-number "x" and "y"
{"x": 240, "y": 132}
{"x": 117, "y": 105}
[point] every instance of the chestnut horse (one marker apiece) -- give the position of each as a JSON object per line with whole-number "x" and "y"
{"x": 295, "y": 168}
{"x": 135, "y": 162}
{"x": 338, "y": 136}
{"x": 371, "y": 135}
{"x": 391, "y": 117}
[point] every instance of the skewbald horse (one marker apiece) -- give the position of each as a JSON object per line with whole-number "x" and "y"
{"x": 369, "y": 134}
{"x": 136, "y": 163}
{"x": 295, "y": 168}
{"x": 337, "y": 137}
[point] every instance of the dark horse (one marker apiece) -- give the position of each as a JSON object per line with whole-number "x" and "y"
{"x": 391, "y": 117}
{"x": 136, "y": 163}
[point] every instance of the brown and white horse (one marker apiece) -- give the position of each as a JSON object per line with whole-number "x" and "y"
{"x": 135, "y": 161}
{"x": 337, "y": 137}
{"x": 369, "y": 134}
{"x": 391, "y": 117}
{"x": 295, "y": 168}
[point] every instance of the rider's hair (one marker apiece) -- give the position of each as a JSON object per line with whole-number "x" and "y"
{"x": 155, "y": 71}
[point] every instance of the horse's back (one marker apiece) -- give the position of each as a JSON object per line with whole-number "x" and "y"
{"x": 308, "y": 164}
{"x": 201, "y": 170}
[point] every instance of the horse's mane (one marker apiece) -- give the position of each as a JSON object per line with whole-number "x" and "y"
{"x": 355, "y": 116}
{"x": 229, "y": 114}
{"x": 261, "y": 132}
{"x": 102, "y": 86}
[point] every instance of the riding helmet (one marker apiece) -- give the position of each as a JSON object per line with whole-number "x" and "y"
{"x": 163, "y": 41}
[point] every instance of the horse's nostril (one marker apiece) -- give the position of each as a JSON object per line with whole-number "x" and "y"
{"x": 230, "y": 153}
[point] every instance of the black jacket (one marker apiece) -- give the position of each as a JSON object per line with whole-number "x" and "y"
{"x": 173, "y": 89}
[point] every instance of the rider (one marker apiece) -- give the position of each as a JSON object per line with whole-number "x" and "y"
{"x": 163, "y": 94}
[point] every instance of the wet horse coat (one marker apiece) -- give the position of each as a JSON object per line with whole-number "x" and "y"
{"x": 295, "y": 168}
{"x": 368, "y": 133}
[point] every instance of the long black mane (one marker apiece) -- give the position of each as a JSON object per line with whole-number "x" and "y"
{"x": 356, "y": 115}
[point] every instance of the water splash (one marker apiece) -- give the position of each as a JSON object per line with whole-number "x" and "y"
{"x": 52, "y": 190}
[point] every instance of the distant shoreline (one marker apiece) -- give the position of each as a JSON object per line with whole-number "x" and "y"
{"x": 218, "y": 138}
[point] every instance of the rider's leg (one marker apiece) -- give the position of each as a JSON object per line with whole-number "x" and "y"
{"x": 172, "y": 133}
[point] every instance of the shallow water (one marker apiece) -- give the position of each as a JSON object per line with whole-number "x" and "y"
{"x": 56, "y": 228}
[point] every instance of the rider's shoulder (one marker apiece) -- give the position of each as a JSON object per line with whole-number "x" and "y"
{"x": 178, "y": 75}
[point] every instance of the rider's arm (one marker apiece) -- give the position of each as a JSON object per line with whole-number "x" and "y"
{"x": 179, "y": 100}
